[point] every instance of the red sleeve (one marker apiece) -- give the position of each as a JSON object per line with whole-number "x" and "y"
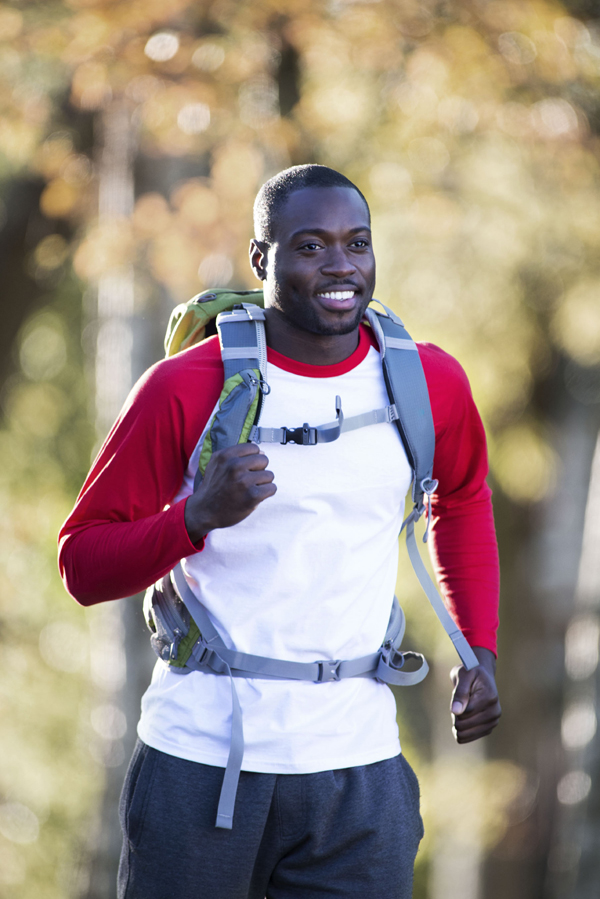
{"x": 463, "y": 542}
{"x": 123, "y": 534}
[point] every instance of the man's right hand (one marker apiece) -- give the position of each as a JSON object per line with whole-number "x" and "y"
{"x": 234, "y": 483}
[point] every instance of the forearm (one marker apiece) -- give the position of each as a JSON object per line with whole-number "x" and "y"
{"x": 109, "y": 560}
{"x": 465, "y": 557}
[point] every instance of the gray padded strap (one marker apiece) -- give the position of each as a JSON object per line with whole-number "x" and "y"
{"x": 467, "y": 656}
{"x": 389, "y": 313}
{"x": 407, "y": 389}
{"x": 243, "y": 341}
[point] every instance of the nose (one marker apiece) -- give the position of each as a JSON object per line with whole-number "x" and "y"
{"x": 337, "y": 263}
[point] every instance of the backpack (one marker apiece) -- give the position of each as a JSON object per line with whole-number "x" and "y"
{"x": 182, "y": 634}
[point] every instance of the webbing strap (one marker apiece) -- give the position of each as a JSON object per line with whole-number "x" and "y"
{"x": 323, "y": 433}
{"x": 400, "y": 343}
{"x": 239, "y": 352}
{"x": 249, "y": 311}
{"x": 211, "y": 654}
{"x": 467, "y": 656}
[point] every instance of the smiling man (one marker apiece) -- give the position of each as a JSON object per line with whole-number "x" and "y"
{"x": 293, "y": 557}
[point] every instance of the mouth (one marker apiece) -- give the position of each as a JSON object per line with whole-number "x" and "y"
{"x": 338, "y": 299}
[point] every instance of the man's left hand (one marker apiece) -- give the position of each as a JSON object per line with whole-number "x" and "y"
{"x": 475, "y": 707}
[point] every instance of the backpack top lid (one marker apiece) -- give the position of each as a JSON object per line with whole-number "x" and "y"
{"x": 188, "y": 323}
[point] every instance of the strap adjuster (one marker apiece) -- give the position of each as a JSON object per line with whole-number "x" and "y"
{"x": 304, "y": 436}
{"x": 206, "y": 656}
{"x": 393, "y": 657}
{"x": 329, "y": 670}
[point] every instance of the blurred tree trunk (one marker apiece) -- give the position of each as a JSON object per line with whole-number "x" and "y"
{"x": 540, "y": 557}
{"x": 122, "y": 658}
{"x": 574, "y": 865}
{"x": 21, "y": 226}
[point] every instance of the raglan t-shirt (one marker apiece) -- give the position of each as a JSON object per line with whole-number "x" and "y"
{"x": 309, "y": 574}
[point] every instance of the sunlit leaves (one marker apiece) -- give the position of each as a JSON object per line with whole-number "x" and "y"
{"x": 472, "y": 134}
{"x": 524, "y": 464}
{"x": 576, "y": 323}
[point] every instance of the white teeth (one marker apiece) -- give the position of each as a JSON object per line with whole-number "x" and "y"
{"x": 338, "y": 295}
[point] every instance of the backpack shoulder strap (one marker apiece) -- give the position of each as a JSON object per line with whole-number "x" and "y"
{"x": 242, "y": 338}
{"x": 407, "y": 388}
{"x": 244, "y": 354}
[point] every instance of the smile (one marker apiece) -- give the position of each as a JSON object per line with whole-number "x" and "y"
{"x": 337, "y": 294}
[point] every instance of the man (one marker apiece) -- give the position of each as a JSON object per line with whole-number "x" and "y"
{"x": 294, "y": 557}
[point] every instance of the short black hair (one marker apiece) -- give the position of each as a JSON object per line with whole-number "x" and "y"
{"x": 274, "y": 193}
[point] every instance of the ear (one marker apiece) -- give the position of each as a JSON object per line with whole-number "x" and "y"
{"x": 258, "y": 258}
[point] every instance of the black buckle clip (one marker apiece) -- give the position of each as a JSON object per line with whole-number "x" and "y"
{"x": 329, "y": 669}
{"x": 304, "y": 436}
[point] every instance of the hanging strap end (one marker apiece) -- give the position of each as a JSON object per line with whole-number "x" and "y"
{"x": 467, "y": 656}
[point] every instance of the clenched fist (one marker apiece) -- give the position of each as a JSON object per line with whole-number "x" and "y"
{"x": 236, "y": 480}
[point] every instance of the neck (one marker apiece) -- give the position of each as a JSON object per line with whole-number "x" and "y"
{"x": 304, "y": 346}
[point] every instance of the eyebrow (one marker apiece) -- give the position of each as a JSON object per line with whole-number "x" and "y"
{"x": 324, "y": 231}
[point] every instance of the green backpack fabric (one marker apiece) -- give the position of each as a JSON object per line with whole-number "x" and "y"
{"x": 192, "y": 322}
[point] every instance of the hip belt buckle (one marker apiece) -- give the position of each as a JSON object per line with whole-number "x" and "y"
{"x": 329, "y": 669}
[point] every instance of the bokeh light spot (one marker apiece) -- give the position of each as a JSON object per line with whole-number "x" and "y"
{"x": 51, "y": 252}
{"x": 194, "y": 118}
{"x": 109, "y": 721}
{"x": 43, "y": 351}
{"x": 579, "y": 724}
{"x": 576, "y": 322}
{"x": 517, "y": 48}
{"x": 58, "y": 198}
{"x": 554, "y": 118}
{"x": 428, "y": 155}
{"x": 18, "y": 823}
{"x": 162, "y": 46}
{"x": 208, "y": 57}
{"x": 524, "y": 464}
{"x": 574, "y": 787}
{"x": 390, "y": 181}
{"x": 63, "y": 646}
{"x": 581, "y": 647}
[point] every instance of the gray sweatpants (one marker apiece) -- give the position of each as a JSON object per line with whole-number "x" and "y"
{"x": 352, "y": 832}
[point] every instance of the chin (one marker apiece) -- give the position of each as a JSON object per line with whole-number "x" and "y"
{"x": 336, "y": 328}
{"x": 332, "y": 329}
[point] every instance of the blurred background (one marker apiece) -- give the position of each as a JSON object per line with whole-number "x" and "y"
{"x": 133, "y": 137}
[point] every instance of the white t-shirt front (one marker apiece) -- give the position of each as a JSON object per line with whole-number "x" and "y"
{"x": 309, "y": 575}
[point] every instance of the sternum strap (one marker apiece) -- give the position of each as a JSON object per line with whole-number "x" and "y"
{"x": 321, "y": 433}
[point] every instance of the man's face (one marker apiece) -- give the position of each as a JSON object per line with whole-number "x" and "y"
{"x": 319, "y": 272}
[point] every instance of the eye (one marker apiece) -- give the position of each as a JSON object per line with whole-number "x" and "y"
{"x": 310, "y": 246}
{"x": 361, "y": 243}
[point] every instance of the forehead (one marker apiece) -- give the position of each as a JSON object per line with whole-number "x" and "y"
{"x": 321, "y": 208}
